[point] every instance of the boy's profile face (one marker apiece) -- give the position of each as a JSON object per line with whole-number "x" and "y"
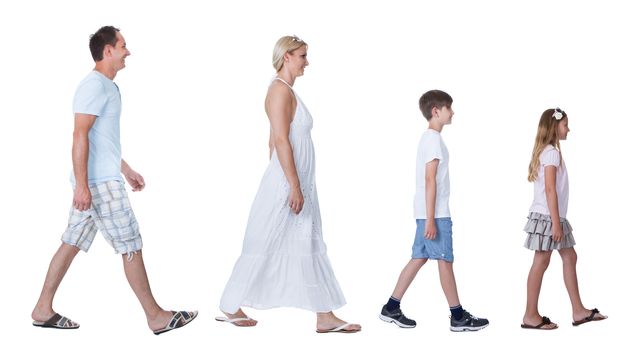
{"x": 444, "y": 115}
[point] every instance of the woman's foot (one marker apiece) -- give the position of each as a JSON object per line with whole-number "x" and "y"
{"x": 239, "y": 319}
{"x": 328, "y": 322}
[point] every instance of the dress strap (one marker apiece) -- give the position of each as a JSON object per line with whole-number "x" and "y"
{"x": 283, "y": 81}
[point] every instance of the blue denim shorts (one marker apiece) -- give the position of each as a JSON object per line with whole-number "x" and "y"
{"x": 440, "y": 248}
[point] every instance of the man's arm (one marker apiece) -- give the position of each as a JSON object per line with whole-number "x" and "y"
{"x": 133, "y": 178}
{"x": 80, "y": 158}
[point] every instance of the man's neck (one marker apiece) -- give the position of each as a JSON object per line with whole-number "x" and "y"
{"x": 107, "y": 71}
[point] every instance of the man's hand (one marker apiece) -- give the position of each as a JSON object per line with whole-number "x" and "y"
{"x": 135, "y": 180}
{"x": 82, "y": 198}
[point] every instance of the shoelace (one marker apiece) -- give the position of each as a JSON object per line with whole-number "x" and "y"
{"x": 472, "y": 317}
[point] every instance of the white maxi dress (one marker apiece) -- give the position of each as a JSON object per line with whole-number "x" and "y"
{"x": 284, "y": 261}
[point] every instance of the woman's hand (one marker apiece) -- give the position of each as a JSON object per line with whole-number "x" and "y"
{"x": 296, "y": 200}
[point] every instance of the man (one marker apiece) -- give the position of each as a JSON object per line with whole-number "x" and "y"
{"x": 100, "y": 200}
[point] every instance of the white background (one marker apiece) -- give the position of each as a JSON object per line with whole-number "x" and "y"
{"x": 193, "y": 125}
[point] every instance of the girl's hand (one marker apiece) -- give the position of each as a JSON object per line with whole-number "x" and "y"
{"x": 296, "y": 200}
{"x": 431, "y": 230}
{"x": 557, "y": 233}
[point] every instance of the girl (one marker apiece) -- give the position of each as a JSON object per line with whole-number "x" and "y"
{"x": 547, "y": 227}
{"x": 284, "y": 261}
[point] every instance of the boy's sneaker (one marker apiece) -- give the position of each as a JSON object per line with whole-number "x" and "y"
{"x": 468, "y": 322}
{"x": 397, "y": 317}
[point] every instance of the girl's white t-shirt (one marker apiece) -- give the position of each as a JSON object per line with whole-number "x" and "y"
{"x": 550, "y": 157}
{"x": 431, "y": 147}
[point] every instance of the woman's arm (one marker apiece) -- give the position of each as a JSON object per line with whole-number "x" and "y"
{"x": 280, "y": 104}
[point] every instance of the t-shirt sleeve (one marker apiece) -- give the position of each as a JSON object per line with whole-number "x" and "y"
{"x": 432, "y": 148}
{"x": 90, "y": 98}
{"x": 550, "y": 157}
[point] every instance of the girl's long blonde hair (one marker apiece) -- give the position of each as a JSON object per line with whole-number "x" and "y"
{"x": 547, "y": 134}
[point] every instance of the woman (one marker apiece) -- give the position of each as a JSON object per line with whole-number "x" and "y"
{"x": 284, "y": 261}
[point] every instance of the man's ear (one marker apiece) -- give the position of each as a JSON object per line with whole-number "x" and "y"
{"x": 108, "y": 51}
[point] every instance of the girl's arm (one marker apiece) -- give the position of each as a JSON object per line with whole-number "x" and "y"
{"x": 550, "y": 173}
{"x": 431, "y": 196}
{"x": 279, "y": 108}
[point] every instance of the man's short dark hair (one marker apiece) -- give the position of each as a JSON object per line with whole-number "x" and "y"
{"x": 434, "y": 98}
{"x": 103, "y": 37}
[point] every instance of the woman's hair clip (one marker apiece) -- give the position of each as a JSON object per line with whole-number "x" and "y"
{"x": 296, "y": 39}
{"x": 558, "y": 114}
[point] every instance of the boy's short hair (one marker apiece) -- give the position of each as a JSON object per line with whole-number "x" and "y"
{"x": 103, "y": 37}
{"x": 434, "y": 98}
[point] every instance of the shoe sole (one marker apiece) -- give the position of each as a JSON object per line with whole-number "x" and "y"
{"x": 392, "y": 320}
{"x": 466, "y": 328}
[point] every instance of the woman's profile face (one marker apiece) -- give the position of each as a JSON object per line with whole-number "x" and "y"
{"x": 296, "y": 61}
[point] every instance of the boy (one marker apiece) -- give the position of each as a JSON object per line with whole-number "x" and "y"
{"x": 433, "y": 238}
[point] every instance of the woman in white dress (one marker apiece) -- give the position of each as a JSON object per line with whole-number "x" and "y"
{"x": 284, "y": 261}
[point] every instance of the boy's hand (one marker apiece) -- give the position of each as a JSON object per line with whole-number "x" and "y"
{"x": 431, "y": 230}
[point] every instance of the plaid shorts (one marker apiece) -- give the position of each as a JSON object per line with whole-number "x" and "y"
{"x": 111, "y": 213}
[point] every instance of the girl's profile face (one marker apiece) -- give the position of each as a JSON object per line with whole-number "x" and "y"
{"x": 563, "y": 129}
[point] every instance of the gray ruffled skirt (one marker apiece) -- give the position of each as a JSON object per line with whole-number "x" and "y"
{"x": 539, "y": 230}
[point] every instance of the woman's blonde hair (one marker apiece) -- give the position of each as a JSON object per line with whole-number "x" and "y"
{"x": 547, "y": 134}
{"x": 286, "y": 44}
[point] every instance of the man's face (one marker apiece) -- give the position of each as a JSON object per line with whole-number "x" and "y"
{"x": 119, "y": 52}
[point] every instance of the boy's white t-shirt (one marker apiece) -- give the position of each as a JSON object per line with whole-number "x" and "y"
{"x": 431, "y": 146}
{"x": 550, "y": 157}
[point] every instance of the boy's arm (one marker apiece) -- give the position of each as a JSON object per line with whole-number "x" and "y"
{"x": 431, "y": 196}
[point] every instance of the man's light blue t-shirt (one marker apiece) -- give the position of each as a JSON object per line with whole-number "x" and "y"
{"x": 99, "y": 96}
